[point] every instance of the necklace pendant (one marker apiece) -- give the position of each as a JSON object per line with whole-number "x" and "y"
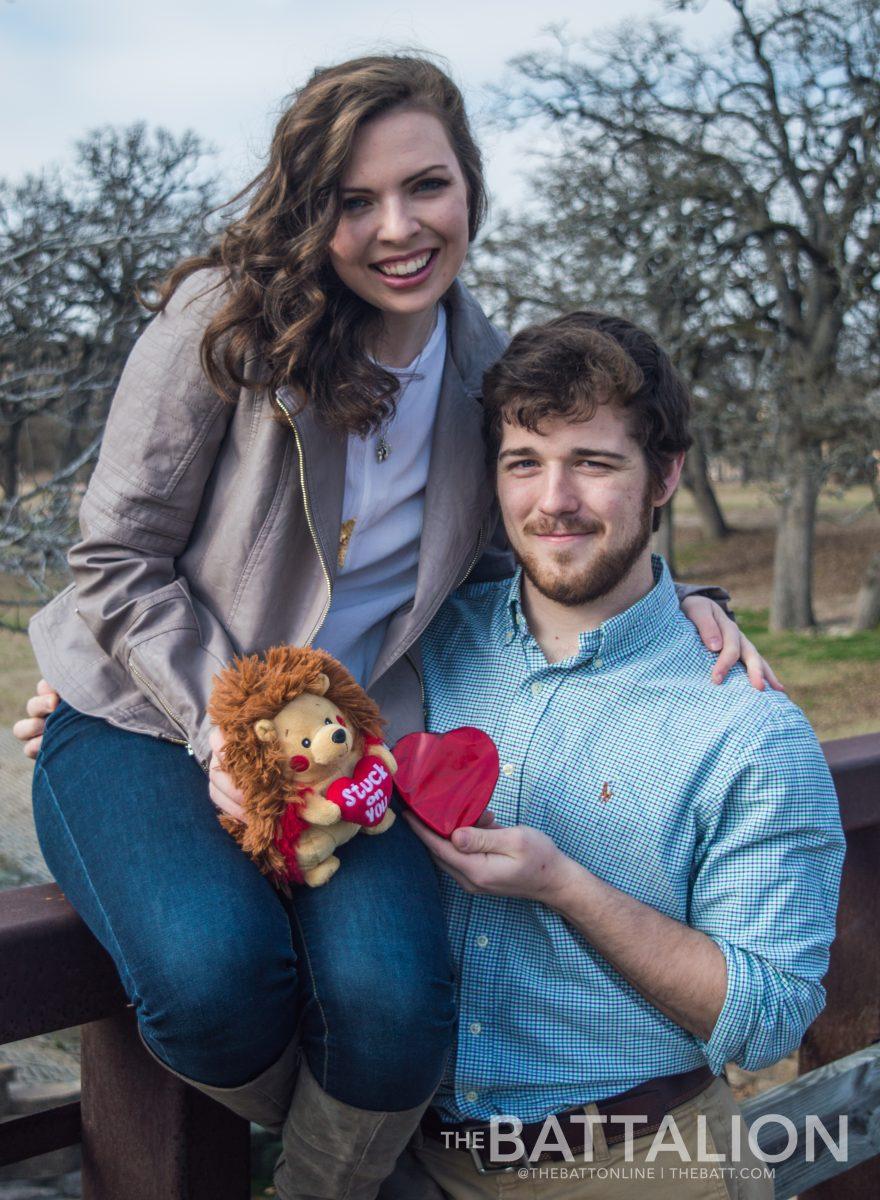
{"x": 382, "y": 450}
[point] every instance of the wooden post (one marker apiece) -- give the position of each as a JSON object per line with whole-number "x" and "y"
{"x": 852, "y": 1014}
{"x": 146, "y": 1135}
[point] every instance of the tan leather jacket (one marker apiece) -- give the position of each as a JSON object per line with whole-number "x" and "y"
{"x": 211, "y": 529}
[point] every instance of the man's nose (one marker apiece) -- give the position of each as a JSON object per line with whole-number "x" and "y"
{"x": 558, "y": 495}
{"x": 398, "y": 220}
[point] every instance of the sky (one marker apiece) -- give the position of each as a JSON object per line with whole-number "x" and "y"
{"x": 222, "y": 68}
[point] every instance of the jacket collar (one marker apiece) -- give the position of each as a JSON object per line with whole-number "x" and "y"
{"x": 474, "y": 341}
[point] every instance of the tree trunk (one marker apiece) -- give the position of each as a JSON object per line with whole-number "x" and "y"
{"x": 696, "y": 480}
{"x": 868, "y": 602}
{"x": 792, "y": 606}
{"x": 664, "y": 539}
{"x": 10, "y": 460}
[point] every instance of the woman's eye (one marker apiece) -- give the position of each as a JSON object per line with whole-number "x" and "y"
{"x": 431, "y": 185}
{"x": 352, "y": 203}
{"x": 306, "y": 742}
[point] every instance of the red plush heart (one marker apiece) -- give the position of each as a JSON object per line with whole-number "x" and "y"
{"x": 363, "y": 798}
{"x": 447, "y": 779}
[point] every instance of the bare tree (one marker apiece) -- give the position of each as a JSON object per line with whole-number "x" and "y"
{"x": 74, "y": 250}
{"x": 771, "y": 144}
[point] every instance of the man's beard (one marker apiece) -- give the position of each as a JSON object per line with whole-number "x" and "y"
{"x": 608, "y": 569}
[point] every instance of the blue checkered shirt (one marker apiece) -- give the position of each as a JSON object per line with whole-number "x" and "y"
{"x": 712, "y": 804}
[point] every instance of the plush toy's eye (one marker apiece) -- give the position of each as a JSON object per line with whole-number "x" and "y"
{"x": 306, "y": 742}
{"x": 327, "y": 721}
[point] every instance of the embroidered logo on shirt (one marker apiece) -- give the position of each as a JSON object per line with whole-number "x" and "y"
{"x": 607, "y": 792}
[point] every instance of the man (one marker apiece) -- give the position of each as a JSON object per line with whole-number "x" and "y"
{"x": 654, "y": 892}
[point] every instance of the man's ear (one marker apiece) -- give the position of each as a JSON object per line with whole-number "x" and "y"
{"x": 670, "y": 481}
{"x": 265, "y": 730}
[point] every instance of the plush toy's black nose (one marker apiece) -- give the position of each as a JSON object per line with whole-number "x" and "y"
{"x": 338, "y": 736}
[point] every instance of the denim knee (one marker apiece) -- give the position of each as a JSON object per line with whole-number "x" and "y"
{"x": 379, "y": 1038}
{"x": 218, "y": 1010}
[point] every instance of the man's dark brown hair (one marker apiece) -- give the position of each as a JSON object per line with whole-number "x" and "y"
{"x": 570, "y": 365}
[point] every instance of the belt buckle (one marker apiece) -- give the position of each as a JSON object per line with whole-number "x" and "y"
{"x": 476, "y": 1153}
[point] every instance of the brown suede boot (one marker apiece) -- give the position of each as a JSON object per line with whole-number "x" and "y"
{"x": 264, "y": 1099}
{"x": 331, "y": 1151}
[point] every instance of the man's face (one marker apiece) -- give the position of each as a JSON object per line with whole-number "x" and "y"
{"x": 577, "y": 503}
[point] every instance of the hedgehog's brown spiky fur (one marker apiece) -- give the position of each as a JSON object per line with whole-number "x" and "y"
{"x": 258, "y": 687}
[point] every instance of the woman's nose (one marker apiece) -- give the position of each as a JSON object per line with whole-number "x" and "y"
{"x": 398, "y": 220}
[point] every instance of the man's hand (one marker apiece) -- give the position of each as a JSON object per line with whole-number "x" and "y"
{"x": 30, "y": 728}
{"x": 223, "y": 792}
{"x": 497, "y": 861}
{"x": 721, "y": 633}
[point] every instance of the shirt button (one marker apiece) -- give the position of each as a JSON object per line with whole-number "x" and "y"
{"x": 536, "y": 689}
{"x": 482, "y": 941}
{"x": 475, "y": 1027}
{"x": 597, "y": 663}
{"x": 470, "y": 1096}
{"x": 508, "y": 637}
{"x": 508, "y": 769}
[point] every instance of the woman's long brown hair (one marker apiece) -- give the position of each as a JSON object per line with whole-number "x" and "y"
{"x": 284, "y": 301}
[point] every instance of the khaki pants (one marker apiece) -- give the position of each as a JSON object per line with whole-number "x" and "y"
{"x": 609, "y": 1176}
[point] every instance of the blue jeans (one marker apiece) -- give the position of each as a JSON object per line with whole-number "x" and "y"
{"x": 219, "y": 967}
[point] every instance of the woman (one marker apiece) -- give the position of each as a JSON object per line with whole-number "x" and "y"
{"x": 332, "y": 307}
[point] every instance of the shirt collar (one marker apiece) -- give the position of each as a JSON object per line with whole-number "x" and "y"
{"x": 620, "y": 636}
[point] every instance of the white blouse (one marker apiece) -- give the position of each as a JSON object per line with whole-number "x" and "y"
{"x": 382, "y": 515}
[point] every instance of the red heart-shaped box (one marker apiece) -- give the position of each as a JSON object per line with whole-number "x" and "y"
{"x": 447, "y": 779}
{"x": 364, "y": 798}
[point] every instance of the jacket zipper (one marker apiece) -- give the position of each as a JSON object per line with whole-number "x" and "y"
{"x": 308, "y": 511}
{"x": 172, "y": 716}
{"x": 473, "y": 561}
{"x": 412, "y": 663}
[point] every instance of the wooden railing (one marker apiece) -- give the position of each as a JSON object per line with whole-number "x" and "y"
{"x": 145, "y": 1135}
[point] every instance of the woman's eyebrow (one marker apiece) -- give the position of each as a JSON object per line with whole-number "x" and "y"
{"x": 409, "y": 178}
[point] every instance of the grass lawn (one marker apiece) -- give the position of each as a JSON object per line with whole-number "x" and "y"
{"x": 834, "y": 678}
{"x": 832, "y": 675}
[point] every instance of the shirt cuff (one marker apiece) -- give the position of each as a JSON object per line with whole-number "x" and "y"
{"x": 734, "y": 1021}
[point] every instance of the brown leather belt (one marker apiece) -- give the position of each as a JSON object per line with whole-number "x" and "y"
{"x": 651, "y": 1101}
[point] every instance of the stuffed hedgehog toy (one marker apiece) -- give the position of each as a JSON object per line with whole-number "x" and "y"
{"x": 303, "y": 742}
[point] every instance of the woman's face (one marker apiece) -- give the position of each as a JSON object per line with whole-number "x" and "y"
{"x": 403, "y": 232}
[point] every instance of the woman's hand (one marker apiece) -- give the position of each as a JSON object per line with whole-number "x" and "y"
{"x": 720, "y": 633}
{"x": 223, "y": 792}
{"x": 30, "y": 728}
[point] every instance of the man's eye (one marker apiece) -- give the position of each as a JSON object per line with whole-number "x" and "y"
{"x": 523, "y": 462}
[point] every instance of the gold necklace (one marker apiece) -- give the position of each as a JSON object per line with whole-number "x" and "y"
{"x": 383, "y": 446}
